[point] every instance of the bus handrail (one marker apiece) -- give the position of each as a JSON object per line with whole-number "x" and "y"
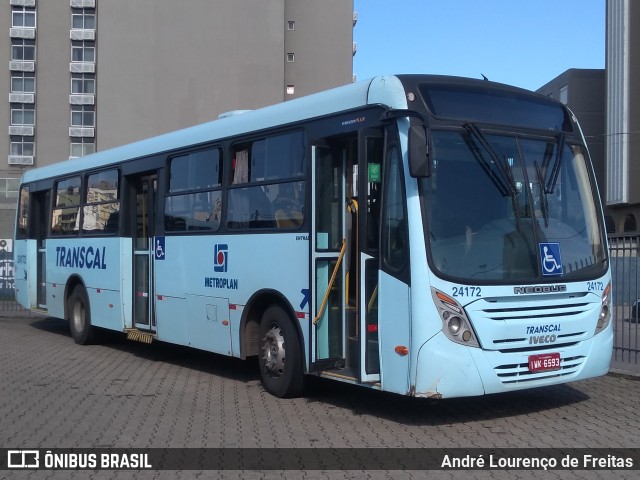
{"x": 343, "y": 249}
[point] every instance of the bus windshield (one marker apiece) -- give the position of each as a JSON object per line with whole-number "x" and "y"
{"x": 502, "y": 207}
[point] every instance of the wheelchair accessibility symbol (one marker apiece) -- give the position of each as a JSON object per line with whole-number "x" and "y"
{"x": 159, "y": 248}
{"x": 551, "y": 259}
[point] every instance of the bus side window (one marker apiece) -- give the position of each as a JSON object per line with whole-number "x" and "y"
{"x": 22, "y": 225}
{"x": 267, "y": 187}
{"x": 394, "y": 234}
{"x": 66, "y": 213}
{"x": 194, "y": 200}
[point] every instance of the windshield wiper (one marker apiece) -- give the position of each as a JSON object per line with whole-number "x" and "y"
{"x": 544, "y": 206}
{"x": 551, "y": 184}
{"x": 505, "y": 181}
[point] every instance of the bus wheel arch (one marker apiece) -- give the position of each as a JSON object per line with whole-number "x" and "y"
{"x": 269, "y": 324}
{"x": 78, "y": 312}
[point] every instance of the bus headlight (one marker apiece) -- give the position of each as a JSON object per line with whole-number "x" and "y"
{"x": 455, "y": 324}
{"x": 605, "y": 310}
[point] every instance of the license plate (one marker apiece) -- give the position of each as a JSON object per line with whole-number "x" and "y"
{"x": 544, "y": 362}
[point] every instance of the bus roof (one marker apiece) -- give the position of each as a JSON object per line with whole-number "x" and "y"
{"x": 387, "y": 90}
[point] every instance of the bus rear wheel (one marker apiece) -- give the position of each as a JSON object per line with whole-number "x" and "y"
{"x": 280, "y": 354}
{"x": 79, "y": 314}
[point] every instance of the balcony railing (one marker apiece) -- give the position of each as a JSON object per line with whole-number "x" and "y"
{"x": 83, "y": 3}
{"x": 82, "y": 99}
{"x": 82, "y": 34}
{"x": 20, "y": 160}
{"x": 24, "y": 130}
{"x": 23, "y": 3}
{"x": 22, "y": 98}
{"x": 22, "y": 32}
{"x": 22, "y": 66}
{"x": 82, "y": 67}
{"x": 81, "y": 132}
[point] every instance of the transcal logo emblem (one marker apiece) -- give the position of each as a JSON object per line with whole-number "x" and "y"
{"x": 221, "y": 257}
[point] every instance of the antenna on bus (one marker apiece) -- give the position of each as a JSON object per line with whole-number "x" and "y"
{"x": 484, "y": 77}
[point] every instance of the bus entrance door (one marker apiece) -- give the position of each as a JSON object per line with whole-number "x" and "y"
{"x": 346, "y": 173}
{"x": 41, "y": 214}
{"x": 144, "y": 252}
{"x": 328, "y": 249}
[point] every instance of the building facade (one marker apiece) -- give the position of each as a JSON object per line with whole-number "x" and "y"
{"x": 583, "y": 91}
{"x": 623, "y": 114}
{"x": 86, "y": 75}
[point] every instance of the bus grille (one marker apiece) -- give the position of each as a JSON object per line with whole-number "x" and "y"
{"x": 536, "y": 312}
{"x": 501, "y": 323}
{"x": 519, "y": 372}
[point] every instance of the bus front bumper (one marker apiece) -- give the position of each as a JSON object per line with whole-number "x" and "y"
{"x": 446, "y": 369}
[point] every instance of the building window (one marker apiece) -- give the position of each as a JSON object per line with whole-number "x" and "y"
{"x": 23, "y": 50}
{"x": 564, "y": 94}
{"x": 83, "y": 53}
{"x": 610, "y": 224}
{"x": 23, "y": 18}
{"x": 82, "y": 149}
{"x": 291, "y": 57}
{"x": 630, "y": 223}
{"x": 83, "y": 85}
{"x": 83, "y": 21}
{"x": 82, "y": 116}
{"x": 291, "y": 25}
{"x": 9, "y": 188}
{"x": 23, "y": 149}
{"x": 23, "y": 84}
{"x": 23, "y": 116}
{"x": 291, "y": 89}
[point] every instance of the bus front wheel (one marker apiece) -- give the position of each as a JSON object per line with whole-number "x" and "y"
{"x": 79, "y": 314}
{"x": 280, "y": 354}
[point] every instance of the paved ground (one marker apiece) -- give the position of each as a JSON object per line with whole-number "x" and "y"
{"x": 123, "y": 394}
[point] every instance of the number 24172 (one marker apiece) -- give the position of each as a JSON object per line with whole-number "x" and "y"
{"x": 467, "y": 291}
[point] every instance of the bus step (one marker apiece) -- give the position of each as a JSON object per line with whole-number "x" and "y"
{"x": 139, "y": 335}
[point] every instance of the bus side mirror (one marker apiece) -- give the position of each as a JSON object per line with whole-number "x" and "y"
{"x": 419, "y": 164}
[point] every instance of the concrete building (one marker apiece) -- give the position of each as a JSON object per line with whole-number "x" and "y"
{"x": 623, "y": 114}
{"x": 583, "y": 91}
{"x": 86, "y": 75}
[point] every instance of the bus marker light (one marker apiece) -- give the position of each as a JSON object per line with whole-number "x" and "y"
{"x": 111, "y": 305}
{"x": 372, "y": 328}
{"x": 448, "y": 301}
{"x": 225, "y": 322}
{"x": 402, "y": 350}
{"x": 466, "y": 336}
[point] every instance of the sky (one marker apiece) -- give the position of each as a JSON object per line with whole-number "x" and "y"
{"x": 525, "y": 43}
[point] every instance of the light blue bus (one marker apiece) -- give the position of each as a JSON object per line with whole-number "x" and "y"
{"x": 424, "y": 235}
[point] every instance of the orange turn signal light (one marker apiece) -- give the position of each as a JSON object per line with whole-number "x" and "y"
{"x": 402, "y": 350}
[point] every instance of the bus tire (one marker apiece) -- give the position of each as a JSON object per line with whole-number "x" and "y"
{"x": 79, "y": 314}
{"x": 280, "y": 354}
